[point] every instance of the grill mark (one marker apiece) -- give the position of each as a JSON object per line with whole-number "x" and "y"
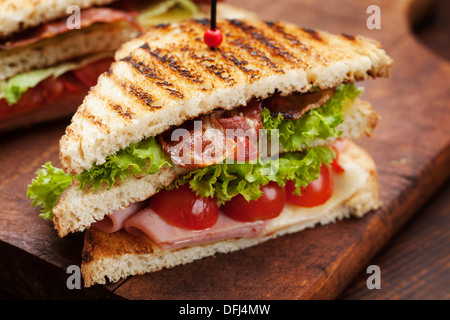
{"x": 119, "y": 110}
{"x": 229, "y": 56}
{"x": 203, "y": 22}
{"x": 269, "y": 43}
{"x": 161, "y": 26}
{"x": 151, "y": 74}
{"x": 348, "y": 36}
{"x": 135, "y": 91}
{"x": 257, "y": 53}
{"x": 286, "y": 35}
{"x": 213, "y": 67}
{"x": 314, "y": 34}
{"x": 173, "y": 64}
{"x": 141, "y": 95}
{"x": 89, "y": 116}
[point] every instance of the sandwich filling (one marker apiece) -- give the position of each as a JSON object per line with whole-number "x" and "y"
{"x": 231, "y": 182}
{"x": 27, "y": 91}
{"x": 276, "y": 210}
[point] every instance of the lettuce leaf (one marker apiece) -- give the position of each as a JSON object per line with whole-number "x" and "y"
{"x": 164, "y": 11}
{"x": 224, "y": 181}
{"x": 320, "y": 123}
{"x": 47, "y": 187}
{"x": 16, "y": 86}
{"x": 146, "y": 156}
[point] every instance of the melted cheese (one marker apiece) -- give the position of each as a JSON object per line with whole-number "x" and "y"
{"x": 345, "y": 185}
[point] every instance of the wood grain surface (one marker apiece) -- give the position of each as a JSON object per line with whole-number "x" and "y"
{"x": 411, "y": 147}
{"x": 415, "y": 265}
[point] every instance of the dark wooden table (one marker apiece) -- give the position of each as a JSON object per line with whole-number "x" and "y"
{"x": 416, "y": 263}
{"x": 411, "y": 147}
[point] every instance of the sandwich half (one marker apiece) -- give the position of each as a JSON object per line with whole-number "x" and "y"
{"x": 182, "y": 151}
{"x": 51, "y": 54}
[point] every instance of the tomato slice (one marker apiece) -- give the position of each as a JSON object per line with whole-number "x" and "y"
{"x": 335, "y": 164}
{"x": 316, "y": 193}
{"x": 183, "y": 208}
{"x": 90, "y": 72}
{"x": 268, "y": 205}
{"x": 72, "y": 83}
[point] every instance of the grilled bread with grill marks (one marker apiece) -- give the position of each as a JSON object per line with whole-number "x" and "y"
{"x": 100, "y": 37}
{"x": 168, "y": 75}
{"x": 18, "y": 15}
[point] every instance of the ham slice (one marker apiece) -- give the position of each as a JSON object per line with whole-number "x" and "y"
{"x": 87, "y": 18}
{"x": 169, "y": 237}
{"x": 116, "y": 220}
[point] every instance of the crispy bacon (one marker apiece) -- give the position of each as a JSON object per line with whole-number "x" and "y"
{"x": 197, "y": 143}
{"x": 296, "y": 105}
{"x": 215, "y": 137}
{"x": 244, "y": 118}
{"x": 87, "y": 18}
{"x": 236, "y": 132}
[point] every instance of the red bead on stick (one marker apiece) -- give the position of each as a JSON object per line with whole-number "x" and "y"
{"x": 213, "y": 38}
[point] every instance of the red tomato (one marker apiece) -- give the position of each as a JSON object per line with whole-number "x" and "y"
{"x": 51, "y": 89}
{"x": 315, "y": 193}
{"x": 183, "y": 208}
{"x": 335, "y": 165}
{"x": 90, "y": 72}
{"x": 267, "y": 206}
{"x": 72, "y": 83}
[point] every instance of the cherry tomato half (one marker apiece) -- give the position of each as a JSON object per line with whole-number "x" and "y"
{"x": 335, "y": 164}
{"x": 183, "y": 208}
{"x": 90, "y": 72}
{"x": 268, "y": 205}
{"x": 315, "y": 193}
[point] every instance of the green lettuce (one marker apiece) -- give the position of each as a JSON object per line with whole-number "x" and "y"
{"x": 224, "y": 181}
{"x": 13, "y": 88}
{"x": 47, "y": 187}
{"x": 320, "y": 123}
{"x": 164, "y": 11}
{"x": 146, "y": 156}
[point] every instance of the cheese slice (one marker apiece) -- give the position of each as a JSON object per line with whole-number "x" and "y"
{"x": 345, "y": 185}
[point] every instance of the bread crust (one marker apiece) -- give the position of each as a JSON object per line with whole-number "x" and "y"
{"x": 18, "y": 15}
{"x": 118, "y": 255}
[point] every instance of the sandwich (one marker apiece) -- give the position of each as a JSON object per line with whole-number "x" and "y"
{"x": 182, "y": 151}
{"x": 51, "y": 54}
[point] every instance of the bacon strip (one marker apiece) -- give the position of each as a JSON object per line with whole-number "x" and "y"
{"x": 296, "y": 105}
{"x": 215, "y": 137}
{"x": 87, "y": 18}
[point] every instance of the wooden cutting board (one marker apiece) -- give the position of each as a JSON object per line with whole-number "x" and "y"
{"x": 411, "y": 147}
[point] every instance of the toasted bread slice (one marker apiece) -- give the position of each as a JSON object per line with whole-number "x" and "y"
{"x": 77, "y": 43}
{"x": 18, "y": 15}
{"x": 169, "y": 75}
{"x": 118, "y": 255}
{"x": 95, "y": 39}
{"x": 78, "y": 208}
